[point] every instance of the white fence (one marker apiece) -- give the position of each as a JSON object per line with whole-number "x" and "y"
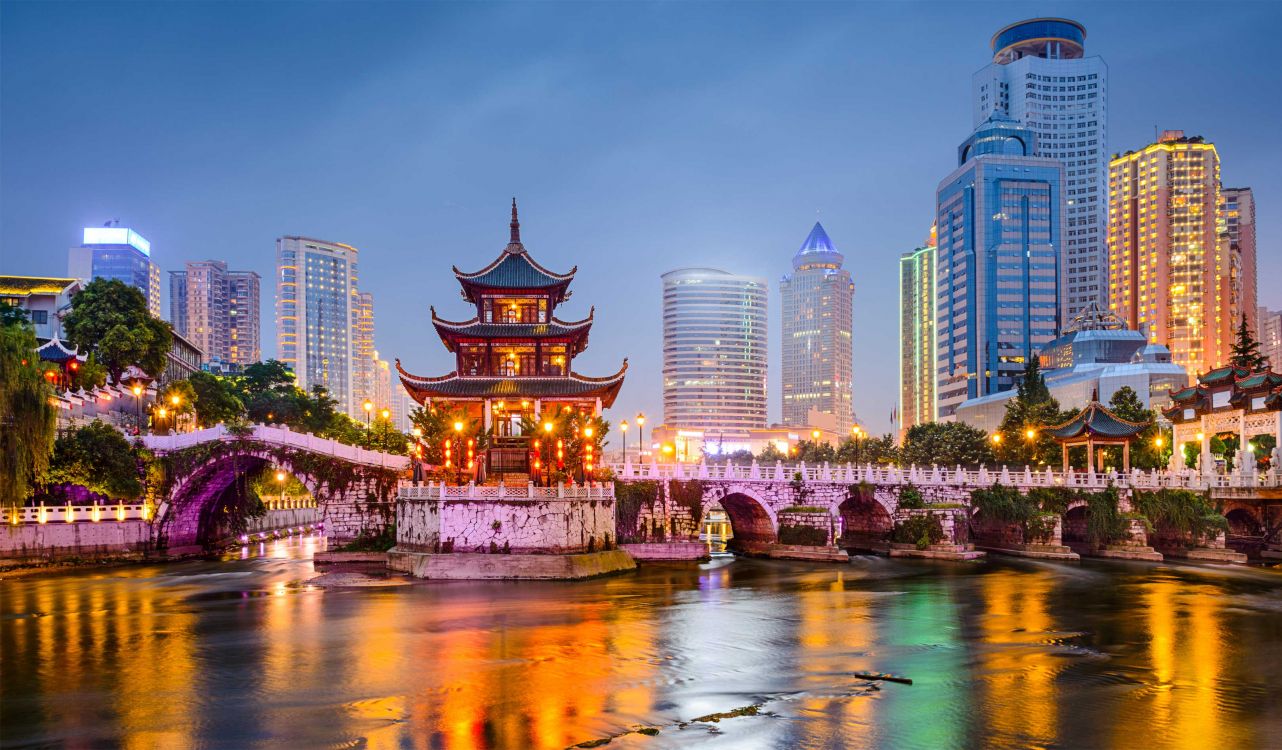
{"x": 437, "y": 490}
{"x": 279, "y": 436}
{"x": 936, "y": 475}
{"x": 70, "y": 513}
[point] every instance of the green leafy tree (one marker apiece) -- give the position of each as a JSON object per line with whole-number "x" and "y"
{"x": 110, "y": 318}
{"x": 98, "y": 458}
{"x": 214, "y": 399}
{"x": 738, "y": 457}
{"x": 770, "y": 454}
{"x": 815, "y": 452}
{"x": 1024, "y": 440}
{"x": 437, "y": 426}
{"x": 874, "y": 450}
{"x": 1145, "y": 453}
{"x": 946, "y": 444}
{"x": 89, "y": 374}
{"x": 27, "y": 418}
{"x": 1246, "y": 350}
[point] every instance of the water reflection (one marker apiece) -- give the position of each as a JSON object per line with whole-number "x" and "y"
{"x": 245, "y": 653}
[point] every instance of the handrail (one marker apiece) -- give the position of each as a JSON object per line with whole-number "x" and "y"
{"x": 77, "y": 513}
{"x": 942, "y": 476}
{"x": 470, "y": 491}
{"x": 279, "y": 436}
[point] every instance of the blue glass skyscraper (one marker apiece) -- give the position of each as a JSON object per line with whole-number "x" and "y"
{"x": 1000, "y": 223}
{"x": 114, "y": 252}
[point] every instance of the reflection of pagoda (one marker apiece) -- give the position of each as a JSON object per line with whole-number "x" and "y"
{"x": 514, "y": 357}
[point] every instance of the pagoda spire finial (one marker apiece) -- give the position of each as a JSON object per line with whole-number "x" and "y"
{"x": 516, "y": 226}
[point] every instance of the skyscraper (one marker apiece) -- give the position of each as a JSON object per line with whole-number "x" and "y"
{"x": 217, "y": 310}
{"x": 1175, "y": 271}
{"x": 1269, "y": 326}
{"x": 1040, "y": 76}
{"x": 316, "y": 315}
{"x": 818, "y": 298}
{"x": 999, "y": 220}
{"x": 714, "y": 349}
{"x": 114, "y": 252}
{"x": 364, "y": 364}
{"x": 1238, "y": 208}
{"x": 917, "y": 335}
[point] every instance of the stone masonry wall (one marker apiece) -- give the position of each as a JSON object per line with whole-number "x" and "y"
{"x": 515, "y": 525}
{"x": 60, "y": 540}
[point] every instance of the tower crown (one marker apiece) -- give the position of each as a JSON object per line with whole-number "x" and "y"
{"x": 817, "y": 250}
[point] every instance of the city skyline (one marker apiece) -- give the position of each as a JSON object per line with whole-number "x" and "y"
{"x": 637, "y": 225}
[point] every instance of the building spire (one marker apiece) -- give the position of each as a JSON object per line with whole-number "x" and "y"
{"x": 516, "y": 225}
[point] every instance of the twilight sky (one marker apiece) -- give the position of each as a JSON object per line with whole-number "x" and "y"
{"x": 637, "y": 138}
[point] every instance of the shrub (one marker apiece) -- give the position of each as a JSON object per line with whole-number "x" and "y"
{"x": 1184, "y": 512}
{"x": 809, "y": 536}
{"x": 910, "y": 497}
{"x": 922, "y": 531}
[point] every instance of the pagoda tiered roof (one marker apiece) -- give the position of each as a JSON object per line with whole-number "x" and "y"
{"x": 1096, "y": 420}
{"x": 454, "y": 386}
{"x": 574, "y": 333}
{"x": 54, "y": 350}
{"x": 514, "y": 270}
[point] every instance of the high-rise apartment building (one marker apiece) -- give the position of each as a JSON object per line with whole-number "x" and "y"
{"x": 114, "y": 252}
{"x": 917, "y": 336}
{"x": 1269, "y": 325}
{"x": 1175, "y": 272}
{"x": 317, "y": 304}
{"x": 1040, "y": 75}
{"x": 1238, "y": 209}
{"x": 714, "y": 349}
{"x": 818, "y": 315}
{"x": 364, "y": 364}
{"x": 217, "y": 310}
{"x": 999, "y": 219}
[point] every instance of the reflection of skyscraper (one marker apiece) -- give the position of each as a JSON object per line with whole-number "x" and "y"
{"x": 316, "y": 306}
{"x": 217, "y": 310}
{"x": 917, "y": 335}
{"x": 114, "y": 252}
{"x": 999, "y": 221}
{"x": 1041, "y": 77}
{"x": 817, "y": 319}
{"x": 714, "y": 349}
{"x": 1178, "y": 272}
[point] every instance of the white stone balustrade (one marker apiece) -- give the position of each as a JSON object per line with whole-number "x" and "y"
{"x": 279, "y": 436}
{"x": 943, "y": 476}
{"x": 436, "y": 490}
{"x": 72, "y": 513}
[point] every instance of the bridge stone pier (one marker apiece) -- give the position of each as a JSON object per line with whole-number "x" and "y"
{"x": 198, "y": 505}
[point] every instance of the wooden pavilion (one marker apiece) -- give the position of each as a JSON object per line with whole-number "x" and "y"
{"x": 1096, "y": 427}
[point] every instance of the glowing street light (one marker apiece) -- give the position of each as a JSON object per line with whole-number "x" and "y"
{"x": 623, "y": 426}
{"x": 997, "y": 438}
{"x": 1030, "y": 433}
{"x": 640, "y": 435}
{"x": 385, "y": 414}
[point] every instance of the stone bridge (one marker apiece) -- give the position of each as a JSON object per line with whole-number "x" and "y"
{"x": 857, "y": 507}
{"x": 201, "y": 493}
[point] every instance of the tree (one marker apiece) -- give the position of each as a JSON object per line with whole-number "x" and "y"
{"x": 1024, "y": 440}
{"x": 110, "y": 318}
{"x": 437, "y": 425}
{"x": 946, "y": 444}
{"x": 27, "y": 418}
{"x": 1145, "y": 453}
{"x": 1246, "y": 350}
{"x": 214, "y": 399}
{"x": 98, "y": 458}
{"x": 870, "y": 450}
{"x": 770, "y": 454}
{"x": 815, "y": 452}
{"x": 735, "y": 457}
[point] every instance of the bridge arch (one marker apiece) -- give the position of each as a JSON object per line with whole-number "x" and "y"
{"x": 866, "y": 520}
{"x": 753, "y": 521}
{"x": 203, "y": 489}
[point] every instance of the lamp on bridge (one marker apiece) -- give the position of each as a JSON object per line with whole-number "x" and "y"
{"x": 280, "y": 479}
{"x": 369, "y": 407}
{"x": 623, "y": 426}
{"x": 640, "y": 436}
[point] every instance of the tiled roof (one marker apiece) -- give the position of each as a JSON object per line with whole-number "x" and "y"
{"x": 515, "y": 270}
{"x": 556, "y": 328}
{"x": 1096, "y": 420}
{"x": 1222, "y": 374}
{"x": 453, "y": 386}
{"x": 1185, "y": 394}
{"x": 24, "y": 285}
{"x": 1260, "y": 379}
{"x": 54, "y": 350}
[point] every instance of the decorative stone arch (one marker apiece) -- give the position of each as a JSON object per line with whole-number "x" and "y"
{"x": 206, "y": 473}
{"x": 754, "y": 521}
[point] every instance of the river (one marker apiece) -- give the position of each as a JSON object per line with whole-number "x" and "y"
{"x": 245, "y": 653}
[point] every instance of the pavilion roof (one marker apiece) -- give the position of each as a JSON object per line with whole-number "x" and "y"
{"x": 456, "y": 386}
{"x": 573, "y": 332}
{"x": 1096, "y": 420}
{"x": 1225, "y": 374}
{"x": 514, "y": 269}
{"x": 54, "y": 350}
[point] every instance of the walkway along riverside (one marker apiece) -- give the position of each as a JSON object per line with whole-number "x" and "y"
{"x": 858, "y": 507}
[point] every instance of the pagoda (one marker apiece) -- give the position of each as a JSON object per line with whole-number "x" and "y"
{"x": 514, "y": 355}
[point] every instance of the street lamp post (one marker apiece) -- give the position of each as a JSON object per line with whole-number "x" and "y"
{"x": 418, "y": 455}
{"x": 547, "y": 468}
{"x": 369, "y": 407}
{"x": 280, "y": 479}
{"x": 855, "y": 432}
{"x": 458, "y": 437}
{"x": 640, "y": 437}
{"x": 624, "y": 427}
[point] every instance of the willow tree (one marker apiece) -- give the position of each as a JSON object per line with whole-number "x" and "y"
{"x": 27, "y": 417}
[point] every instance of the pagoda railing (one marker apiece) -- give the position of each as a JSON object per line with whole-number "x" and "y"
{"x": 941, "y": 476}
{"x": 501, "y": 491}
